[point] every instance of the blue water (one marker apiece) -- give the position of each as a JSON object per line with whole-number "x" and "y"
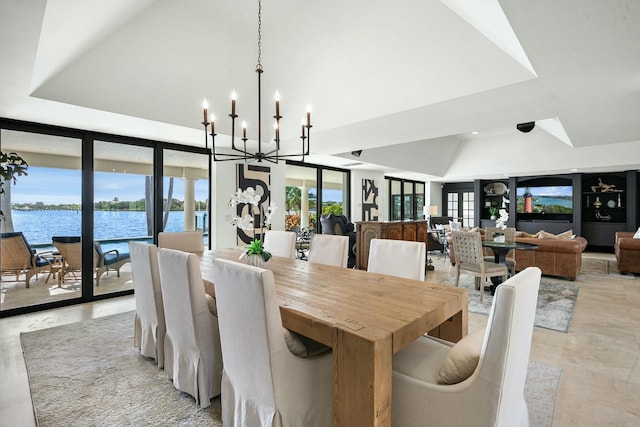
{"x": 39, "y": 226}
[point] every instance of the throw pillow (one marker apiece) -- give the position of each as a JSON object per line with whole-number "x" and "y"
{"x": 637, "y": 235}
{"x": 546, "y": 235}
{"x": 566, "y": 235}
{"x": 462, "y": 359}
{"x": 534, "y": 236}
{"x": 211, "y": 303}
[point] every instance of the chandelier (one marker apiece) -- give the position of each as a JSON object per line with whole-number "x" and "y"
{"x": 239, "y": 153}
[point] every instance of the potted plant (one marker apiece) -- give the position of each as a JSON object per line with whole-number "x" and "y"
{"x": 493, "y": 210}
{"x": 255, "y": 253}
{"x": 11, "y": 167}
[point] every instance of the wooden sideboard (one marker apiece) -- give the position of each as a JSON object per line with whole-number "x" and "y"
{"x": 414, "y": 231}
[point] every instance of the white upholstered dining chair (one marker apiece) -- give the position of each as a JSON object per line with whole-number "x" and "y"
{"x": 470, "y": 259}
{"x": 263, "y": 382}
{"x": 149, "y": 325}
{"x": 478, "y": 381}
{"x": 398, "y": 258}
{"x": 192, "y": 344}
{"x": 186, "y": 241}
{"x": 329, "y": 249}
{"x": 281, "y": 243}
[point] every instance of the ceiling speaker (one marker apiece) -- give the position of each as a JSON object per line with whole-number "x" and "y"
{"x": 526, "y": 127}
{"x": 356, "y": 153}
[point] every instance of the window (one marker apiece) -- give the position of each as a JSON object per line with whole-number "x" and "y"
{"x": 312, "y": 190}
{"x": 406, "y": 201}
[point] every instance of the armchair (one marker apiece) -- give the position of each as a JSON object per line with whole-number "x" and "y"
{"x": 627, "y": 251}
{"x": 340, "y": 225}
{"x": 18, "y": 257}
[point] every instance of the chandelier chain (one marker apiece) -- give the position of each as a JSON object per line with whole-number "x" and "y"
{"x": 259, "y": 66}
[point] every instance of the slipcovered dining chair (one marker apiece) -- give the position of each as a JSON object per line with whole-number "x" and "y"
{"x": 398, "y": 258}
{"x": 510, "y": 237}
{"x": 329, "y": 249}
{"x": 149, "y": 324}
{"x": 470, "y": 259}
{"x": 192, "y": 357}
{"x": 263, "y": 382}
{"x": 17, "y": 257}
{"x": 281, "y": 243}
{"x": 478, "y": 381}
{"x": 186, "y": 241}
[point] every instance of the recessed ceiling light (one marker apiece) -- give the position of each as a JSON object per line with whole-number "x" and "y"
{"x": 475, "y": 132}
{"x": 574, "y": 170}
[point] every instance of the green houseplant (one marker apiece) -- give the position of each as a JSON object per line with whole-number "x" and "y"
{"x": 493, "y": 210}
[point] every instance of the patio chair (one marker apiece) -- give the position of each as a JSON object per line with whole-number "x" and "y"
{"x": 70, "y": 248}
{"x": 18, "y": 257}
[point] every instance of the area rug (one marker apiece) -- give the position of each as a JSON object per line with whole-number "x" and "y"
{"x": 556, "y": 301}
{"x": 89, "y": 374}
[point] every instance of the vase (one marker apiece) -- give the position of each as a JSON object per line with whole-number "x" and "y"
{"x": 597, "y": 204}
{"x": 256, "y": 260}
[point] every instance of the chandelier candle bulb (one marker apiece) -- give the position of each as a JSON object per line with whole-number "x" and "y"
{"x": 213, "y": 128}
{"x": 309, "y": 115}
{"x": 205, "y": 106}
{"x": 233, "y": 103}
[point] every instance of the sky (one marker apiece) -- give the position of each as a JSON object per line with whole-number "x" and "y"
{"x": 550, "y": 191}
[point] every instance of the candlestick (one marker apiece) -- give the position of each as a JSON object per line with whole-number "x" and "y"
{"x": 244, "y": 130}
{"x": 302, "y": 126}
{"x": 277, "y": 103}
{"x": 309, "y": 115}
{"x": 213, "y": 127}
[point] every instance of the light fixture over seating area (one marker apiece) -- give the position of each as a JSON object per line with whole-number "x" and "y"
{"x": 241, "y": 153}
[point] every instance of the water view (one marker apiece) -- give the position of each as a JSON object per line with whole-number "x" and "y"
{"x": 39, "y": 226}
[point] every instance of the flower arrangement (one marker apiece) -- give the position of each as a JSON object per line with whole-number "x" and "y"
{"x": 251, "y": 198}
{"x": 501, "y": 222}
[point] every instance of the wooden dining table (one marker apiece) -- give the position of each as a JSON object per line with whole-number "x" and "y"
{"x": 365, "y": 318}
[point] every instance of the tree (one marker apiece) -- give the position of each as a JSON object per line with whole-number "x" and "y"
{"x": 293, "y": 199}
{"x": 11, "y": 167}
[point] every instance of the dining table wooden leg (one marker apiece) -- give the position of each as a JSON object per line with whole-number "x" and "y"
{"x": 362, "y": 372}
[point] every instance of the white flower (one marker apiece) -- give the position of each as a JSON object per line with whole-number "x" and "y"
{"x": 250, "y": 197}
{"x": 504, "y": 217}
{"x": 245, "y": 222}
{"x": 270, "y": 211}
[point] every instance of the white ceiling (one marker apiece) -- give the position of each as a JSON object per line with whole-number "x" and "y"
{"x": 405, "y": 81}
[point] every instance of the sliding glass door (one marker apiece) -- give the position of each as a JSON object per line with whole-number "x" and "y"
{"x": 40, "y": 205}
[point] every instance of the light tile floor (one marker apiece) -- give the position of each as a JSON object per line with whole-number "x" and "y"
{"x": 600, "y": 383}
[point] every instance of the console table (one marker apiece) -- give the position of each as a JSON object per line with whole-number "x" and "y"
{"x": 414, "y": 231}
